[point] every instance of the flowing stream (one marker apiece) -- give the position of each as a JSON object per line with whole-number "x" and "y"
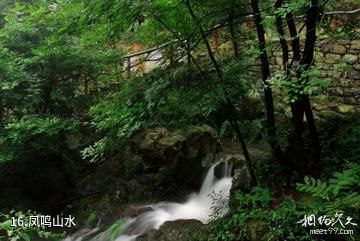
{"x": 209, "y": 203}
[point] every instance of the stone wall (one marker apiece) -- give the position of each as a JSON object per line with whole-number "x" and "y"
{"x": 343, "y": 94}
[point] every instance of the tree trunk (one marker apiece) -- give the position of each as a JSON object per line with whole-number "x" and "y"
{"x": 265, "y": 69}
{"x": 284, "y": 48}
{"x": 297, "y": 143}
{"x": 232, "y": 33}
{"x": 302, "y": 104}
{"x": 231, "y": 108}
{"x": 281, "y": 32}
{"x": 295, "y": 39}
{"x": 312, "y": 15}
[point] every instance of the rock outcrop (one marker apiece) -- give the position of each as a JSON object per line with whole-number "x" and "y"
{"x": 186, "y": 155}
{"x": 241, "y": 176}
{"x": 173, "y": 230}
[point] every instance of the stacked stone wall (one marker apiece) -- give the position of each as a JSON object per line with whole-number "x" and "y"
{"x": 339, "y": 62}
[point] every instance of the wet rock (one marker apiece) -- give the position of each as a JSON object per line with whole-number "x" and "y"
{"x": 133, "y": 211}
{"x": 241, "y": 179}
{"x": 173, "y": 230}
{"x": 219, "y": 170}
{"x": 185, "y": 155}
{"x": 241, "y": 176}
{"x": 147, "y": 143}
{"x": 258, "y": 152}
{"x": 199, "y": 151}
{"x": 235, "y": 160}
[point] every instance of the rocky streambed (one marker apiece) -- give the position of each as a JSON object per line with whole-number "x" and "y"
{"x": 199, "y": 198}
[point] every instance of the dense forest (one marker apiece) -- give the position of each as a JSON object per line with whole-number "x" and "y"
{"x": 179, "y": 120}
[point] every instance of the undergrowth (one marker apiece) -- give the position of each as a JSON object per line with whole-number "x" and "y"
{"x": 173, "y": 98}
{"x": 259, "y": 215}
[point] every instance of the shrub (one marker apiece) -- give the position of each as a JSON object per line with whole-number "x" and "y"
{"x": 24, "y": 232}
{"x": 255, "y": 214}
{"x": 173, "y": 98}
{"x": 35, "y": 134}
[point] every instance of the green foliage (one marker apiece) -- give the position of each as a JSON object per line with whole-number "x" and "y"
{"x": 258, "y": 212}
{"x": 255, "y": 130}
{"x": 111, "y": 233}
{"x": 339, "y": 193}
{"x": 24, "y": 232}
{"x": 12, "y": 84}
{"x": 92, "y": 220}
{"x": 58, "y": 58}
{"x": 309, "y": 83}
{"x": 32, "y": 134}
{"x": 95, "y": 152}
{"x": 316, "y": 187}
{"x": 171, "y": 97}
{"x": 293, "y": 7}
{"x": 343, "y": 30}
{"x": 254, "y": 213}
{"x": 50, "y": 67}
{"x": 115, "y": 230}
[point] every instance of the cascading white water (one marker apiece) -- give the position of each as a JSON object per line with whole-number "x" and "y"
{"x": 210, "y": 202}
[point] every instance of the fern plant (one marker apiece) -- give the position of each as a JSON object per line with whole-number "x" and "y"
{"x": 338, "y": 194}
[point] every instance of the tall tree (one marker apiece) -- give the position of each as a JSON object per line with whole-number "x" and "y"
{"x": 234, "y": 40}
{"x": 229, "y": 104}
{"x": 301, "y": 63}
{"x": 265, "y": 69}
{"x": 312, "y": 14}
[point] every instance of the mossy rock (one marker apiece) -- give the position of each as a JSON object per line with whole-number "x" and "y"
{"x": 173, "y": 230}
{"x": 186, "y": 155}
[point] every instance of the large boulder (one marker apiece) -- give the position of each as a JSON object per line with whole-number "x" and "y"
{"x": 260, "y": 154}
{"x": 241, "y": 177}
{"x": 186, "y": 154}
{"x": 240, "y": 173}
{"x": 178, "y": 230}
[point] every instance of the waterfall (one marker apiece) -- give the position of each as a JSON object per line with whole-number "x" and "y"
{"x": 209, "y": 203}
